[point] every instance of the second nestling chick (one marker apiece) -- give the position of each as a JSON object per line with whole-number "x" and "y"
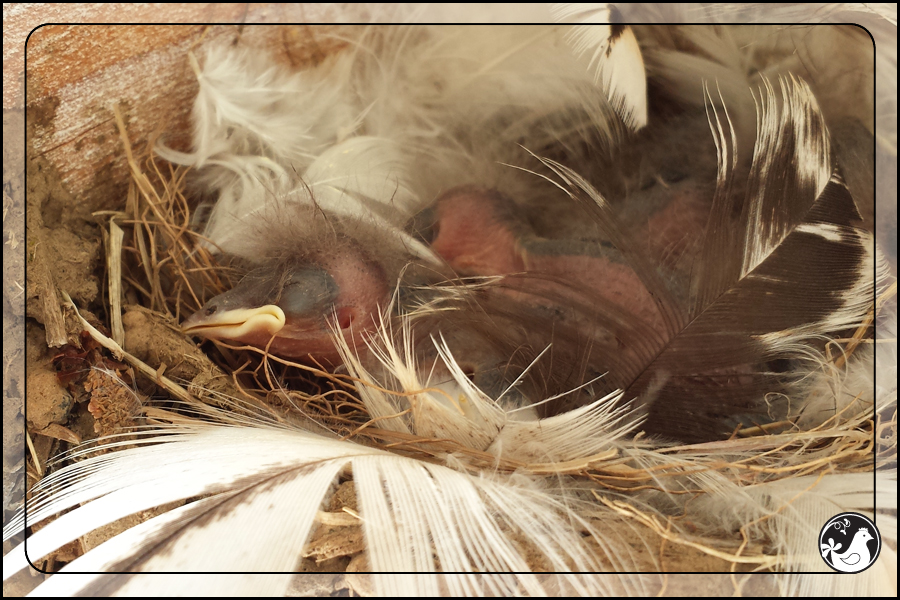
{"x": 479, "y": 232}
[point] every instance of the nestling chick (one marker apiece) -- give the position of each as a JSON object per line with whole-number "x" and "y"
{"x": 287, "y": 305}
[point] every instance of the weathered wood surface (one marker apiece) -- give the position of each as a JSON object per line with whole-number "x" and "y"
{"x": 77, "y": 73}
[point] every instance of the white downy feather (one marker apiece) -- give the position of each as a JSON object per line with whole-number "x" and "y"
{"x": 615, "y": 56}
{"x": 459, "y": 411}
{"x": 396, "y": 118}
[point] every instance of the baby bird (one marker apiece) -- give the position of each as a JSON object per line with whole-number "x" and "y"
{"x": 286, "y": 306}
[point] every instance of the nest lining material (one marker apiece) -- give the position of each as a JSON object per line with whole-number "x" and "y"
{"x": 174, "y": 276}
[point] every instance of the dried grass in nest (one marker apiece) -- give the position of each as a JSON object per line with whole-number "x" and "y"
{"x": 174, "y": 275}
{"x": 163, "y": 261}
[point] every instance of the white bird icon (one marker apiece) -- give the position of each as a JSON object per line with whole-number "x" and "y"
{"x": 856, "y": 556}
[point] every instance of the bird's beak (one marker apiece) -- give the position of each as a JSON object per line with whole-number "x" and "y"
{"x": 248, "y": 312}
{"x": 236, "y": 323}
{"x": 287, "y": 310}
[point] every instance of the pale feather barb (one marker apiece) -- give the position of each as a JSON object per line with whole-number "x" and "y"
{"x": 422, "y": 516}
{"x": 614, "y": 54}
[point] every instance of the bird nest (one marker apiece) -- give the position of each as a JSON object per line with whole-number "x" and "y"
{"x": 152, "y": 249}
{"x": 137, "y": 372}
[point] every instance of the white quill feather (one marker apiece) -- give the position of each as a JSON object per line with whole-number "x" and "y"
{"x": 245, "y": 472}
